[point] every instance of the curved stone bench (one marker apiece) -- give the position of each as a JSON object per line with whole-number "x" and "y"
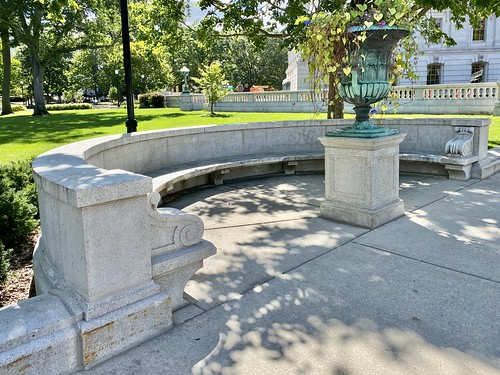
{"x": 111, "y": 266}
{"x": 184, "y": 176}
{"x": 435, "y": 146}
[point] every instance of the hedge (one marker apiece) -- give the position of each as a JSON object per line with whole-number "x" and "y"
{"x": 152, "y": 99}
{"x": 18, "y": 108}
{"x": 63, "y": 107}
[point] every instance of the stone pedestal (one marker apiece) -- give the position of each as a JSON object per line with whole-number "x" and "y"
{"x": 95, "y": 256}
{"x": 186, "y": 104}
{"x": 362, "y": 180}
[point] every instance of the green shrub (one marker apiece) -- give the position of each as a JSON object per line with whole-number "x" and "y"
{"x": 18, "y": 203}
{"x": 68, "y": 106}
{"x": 152, "y": 99}
{"x": 4, "y": 263}
{"x": 18, "y": 108}
{"x": 158, "y": 100}
{"x": 19, "y": 176}
{"x": 145, "y": 100}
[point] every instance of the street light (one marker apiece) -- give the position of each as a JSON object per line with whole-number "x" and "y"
{"x": 96, "y": 82}
{"x": 131, "y": 122}
{"x": 22, "y": 90}
{"x": 118, "y": 92}
{"x": 185, "y": 72}
{"x": 143, "y": 85}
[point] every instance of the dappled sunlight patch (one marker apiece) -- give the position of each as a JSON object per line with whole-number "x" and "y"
{"x": 230, "y": 297}
{"x": 490, "y": 221}
{"x": 271, "y": 339}
{"x": 342, "y": 270}
{"x": 489, "y": 232}
{"x": 420, "y": 217}
{"x": 376, "y": 278}
{"x": 468, "y": 232}
{"x": 414, "y": 183}
{"x": 453, "y": 193}
{"x": 443, "y": 234}
{"x": 291, "y": 276}
{"x": 488, "y": 193}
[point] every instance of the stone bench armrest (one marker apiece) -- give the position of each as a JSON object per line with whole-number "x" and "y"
{"x": 441, "y": 159}
{"x": 459, "y": 168}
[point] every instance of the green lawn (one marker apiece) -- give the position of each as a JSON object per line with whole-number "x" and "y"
{"x": 22, "y": 135}
{"x": 494, "y": 134}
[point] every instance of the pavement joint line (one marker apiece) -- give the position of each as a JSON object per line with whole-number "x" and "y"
{"x": 261, "y": 223}
{"x": 244, "y": 292}
{"x": 426, "y": 262}
{"x": 353, "y": 240}
{"x": 444, "y": 196}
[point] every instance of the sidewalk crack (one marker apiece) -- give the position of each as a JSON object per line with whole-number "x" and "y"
{"x": 427, "y": 263}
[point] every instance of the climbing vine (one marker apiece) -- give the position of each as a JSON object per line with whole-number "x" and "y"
{"x": 333, "y": 40}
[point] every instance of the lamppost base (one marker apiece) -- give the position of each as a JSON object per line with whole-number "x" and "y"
{"x": 131, "y": 125}
{"x": 186, "y": 104}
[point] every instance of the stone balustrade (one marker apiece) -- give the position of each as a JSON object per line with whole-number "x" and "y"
{"x": 467, "y": 98}
{"x": 476, "y": 91}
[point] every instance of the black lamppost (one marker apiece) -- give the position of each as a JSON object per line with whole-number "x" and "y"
{"x": 118, "y": 89}
{"x": 96, "y": 82}
{"x": 22, "y": 90}
{"x": 131, "y": 122}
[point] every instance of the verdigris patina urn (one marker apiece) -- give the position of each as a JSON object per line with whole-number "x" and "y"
{"x": 368, "y": 81}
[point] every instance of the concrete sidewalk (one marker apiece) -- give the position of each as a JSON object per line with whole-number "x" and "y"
{"x": 292, "y": 293}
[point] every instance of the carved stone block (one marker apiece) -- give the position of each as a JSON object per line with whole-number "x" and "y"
{"x": 461, "y": 145}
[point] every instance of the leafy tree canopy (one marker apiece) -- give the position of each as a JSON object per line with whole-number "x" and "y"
{"x": 276, "y": 18}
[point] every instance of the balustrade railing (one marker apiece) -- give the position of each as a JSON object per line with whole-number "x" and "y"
{"x": 469, "y": 91}
{"x": 476, "y": 94}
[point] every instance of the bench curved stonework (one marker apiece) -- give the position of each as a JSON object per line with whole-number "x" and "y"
{"x": 111, "y": 265}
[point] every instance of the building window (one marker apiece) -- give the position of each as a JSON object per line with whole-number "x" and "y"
{"x": 478, "y": 72}
{"x": 434, "y": 74}
{"x": 478, "y": 33}
{"x": 439, "y": 23}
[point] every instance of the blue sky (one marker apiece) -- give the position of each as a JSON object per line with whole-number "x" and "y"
{"x": 196, "y": 12}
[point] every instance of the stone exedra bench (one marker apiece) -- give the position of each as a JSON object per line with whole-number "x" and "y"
{"x": 111, "y": 266}
{"x": 441, "y": 147}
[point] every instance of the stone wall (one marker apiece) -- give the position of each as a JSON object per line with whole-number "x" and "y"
{"x": 111, "y": 266}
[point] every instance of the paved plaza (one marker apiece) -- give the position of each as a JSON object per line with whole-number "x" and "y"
{"x": 292, "y": 293}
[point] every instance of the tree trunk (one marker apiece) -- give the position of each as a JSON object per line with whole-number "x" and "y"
{"x": 38, "y": 71}
{"x": 335, "y": 103}
{"x": 6, "y": 106}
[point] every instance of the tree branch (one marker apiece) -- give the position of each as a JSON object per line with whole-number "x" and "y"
{"x": 275, "y": 6}
{"x": 265, "y": 33}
